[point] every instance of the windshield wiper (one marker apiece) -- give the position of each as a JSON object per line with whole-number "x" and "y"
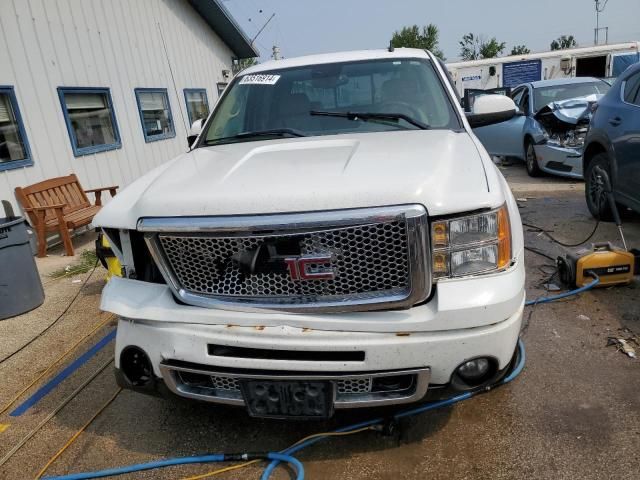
{"x": 365, "y": 116}
{"x": 276, "y": 132}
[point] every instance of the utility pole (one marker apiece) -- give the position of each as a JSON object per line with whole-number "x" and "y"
{"x": 600, "y": 4}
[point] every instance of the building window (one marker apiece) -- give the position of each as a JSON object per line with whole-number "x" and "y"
{"x": 197, "y": 104}
{"x": 221, "y": 87}
{"x": 155, "y": 113}
{"x": 14, "y": 148}
{"x": 90, "y": 119}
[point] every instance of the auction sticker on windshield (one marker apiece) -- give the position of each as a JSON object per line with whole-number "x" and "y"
{"x": 259, "y": 79}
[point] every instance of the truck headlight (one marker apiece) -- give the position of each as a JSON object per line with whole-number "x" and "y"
{"x": 471, "y": 245}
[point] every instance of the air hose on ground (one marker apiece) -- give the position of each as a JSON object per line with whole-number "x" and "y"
{"x": 218, "y": 457}
{"x": 286, "y": 455}
{"x": 584, "y": 288}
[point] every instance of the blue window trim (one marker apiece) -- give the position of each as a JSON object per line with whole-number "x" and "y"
{"x": 186, "y": 101}
{"x": 161, "y": 136}
{"x": 79, "y": 152}
{"x": 25, "y": 162}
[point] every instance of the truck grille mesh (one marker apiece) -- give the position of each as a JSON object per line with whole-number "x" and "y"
{"x": 367, "y": 259}
{"x": 343, "y": 386}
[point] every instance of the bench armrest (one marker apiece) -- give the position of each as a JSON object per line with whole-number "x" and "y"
{"x": 98, "y": 192}
{"x": 37, "y": 214}
{"x": 45, "y": 207}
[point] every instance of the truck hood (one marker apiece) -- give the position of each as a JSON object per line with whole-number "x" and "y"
{"x": 440, "y": 169}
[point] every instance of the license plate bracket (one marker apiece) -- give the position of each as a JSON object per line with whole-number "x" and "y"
{"x": 299, "y": 399}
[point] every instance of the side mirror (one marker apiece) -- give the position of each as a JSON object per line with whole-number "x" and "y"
{"x": 491, "y": 109}
{"x": 194, "y": 131}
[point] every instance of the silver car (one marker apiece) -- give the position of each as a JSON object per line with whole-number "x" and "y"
{"x": 550, "y": 130}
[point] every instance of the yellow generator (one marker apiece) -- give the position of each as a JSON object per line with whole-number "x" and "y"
{"x": 107, "y": 257}
{"x": 612, "y": 265}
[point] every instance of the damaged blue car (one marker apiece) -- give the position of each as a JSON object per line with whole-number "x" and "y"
{"x": 549, "y": 132}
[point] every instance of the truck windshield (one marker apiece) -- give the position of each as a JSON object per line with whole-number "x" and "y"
{"x": 329, "y": 99}
{"x": 545, "y": 95}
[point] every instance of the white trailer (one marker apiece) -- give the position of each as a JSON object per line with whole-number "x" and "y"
{"x": 597, "y": 61}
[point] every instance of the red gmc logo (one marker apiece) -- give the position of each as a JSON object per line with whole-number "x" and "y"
{"x": 316, "y": 267}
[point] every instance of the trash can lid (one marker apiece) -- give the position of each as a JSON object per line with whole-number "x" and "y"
{"x": 10, "y": 222}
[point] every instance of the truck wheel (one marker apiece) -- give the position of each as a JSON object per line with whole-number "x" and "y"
{"x": 531, "y": 161}
{"x": 594, "y": 188}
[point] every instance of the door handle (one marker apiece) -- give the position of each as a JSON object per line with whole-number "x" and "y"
{"x": 615, "y": 121}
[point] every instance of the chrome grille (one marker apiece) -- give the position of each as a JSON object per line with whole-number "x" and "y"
{"x": 367, "y": 258}
{"x": 378, "y": 258}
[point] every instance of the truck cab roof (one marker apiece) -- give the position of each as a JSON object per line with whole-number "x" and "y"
{"x": 324, "y": 58}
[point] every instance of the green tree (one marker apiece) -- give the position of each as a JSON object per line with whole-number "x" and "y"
{"x": 243, "y": 63}
{"x": 564, "y": 41}
{"x": 413, "y": 37}
{"x": 247, "y": 62}
{"x": 474, "y": 47}
{"x": 520, "y": 50}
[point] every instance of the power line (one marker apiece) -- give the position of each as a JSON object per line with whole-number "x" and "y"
{"x": 263, "y": 27}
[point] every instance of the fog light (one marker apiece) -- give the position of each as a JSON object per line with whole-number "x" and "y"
{"x": 474, "y": 370}
{"x": 136, "y": 366}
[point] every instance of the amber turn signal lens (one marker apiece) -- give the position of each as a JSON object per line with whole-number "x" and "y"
{"x": 440, "y": 264}
{"x": 504, "y": 238}
{"x": 439, "y": 235}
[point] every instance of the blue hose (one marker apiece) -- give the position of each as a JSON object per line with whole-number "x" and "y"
{"x": 219, "y": 457}
{"x": 584, "y": 288}
{"x": 281, "y": 457}
{"x": 139, "y": 467}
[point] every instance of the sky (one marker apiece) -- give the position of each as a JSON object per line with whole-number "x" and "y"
{"x": 303, "y": 27}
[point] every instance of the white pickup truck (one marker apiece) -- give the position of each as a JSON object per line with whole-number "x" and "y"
{"x": 336, "y": 237}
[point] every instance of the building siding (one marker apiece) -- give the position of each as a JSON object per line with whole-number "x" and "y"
{"x": 118, "y": 44}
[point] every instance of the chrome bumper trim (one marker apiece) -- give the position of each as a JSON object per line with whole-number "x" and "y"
{"x": 359, "y": 400}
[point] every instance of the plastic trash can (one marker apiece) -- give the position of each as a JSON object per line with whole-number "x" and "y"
{"x": 20, "y": 286}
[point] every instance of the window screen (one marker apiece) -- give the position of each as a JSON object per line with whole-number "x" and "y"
{"x": 14, "y": 150}
{"x": 197, "y": 104}
{"x": 155, "y": 114}
{"x": 90, "y": 119}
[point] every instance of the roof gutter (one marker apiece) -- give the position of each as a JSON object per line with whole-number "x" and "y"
{"x": 223, "y": 24}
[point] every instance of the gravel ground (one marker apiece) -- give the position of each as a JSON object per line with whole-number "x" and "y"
{"x": 573, "y": 413}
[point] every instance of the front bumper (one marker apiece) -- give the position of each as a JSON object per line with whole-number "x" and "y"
{"x": 558, "y": 160}
{"x": 431, "y": 358}
{"x": 466, "y": 318}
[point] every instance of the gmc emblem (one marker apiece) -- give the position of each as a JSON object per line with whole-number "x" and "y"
{"x": 301, "y": 268}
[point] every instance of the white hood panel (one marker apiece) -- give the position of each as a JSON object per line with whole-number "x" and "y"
{"x": 439, "y": 169}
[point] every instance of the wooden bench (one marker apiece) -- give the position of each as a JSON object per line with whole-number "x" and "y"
{"x": 59, "y": 205}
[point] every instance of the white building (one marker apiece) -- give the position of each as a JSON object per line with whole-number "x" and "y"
{"x": 106, "y": 89}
